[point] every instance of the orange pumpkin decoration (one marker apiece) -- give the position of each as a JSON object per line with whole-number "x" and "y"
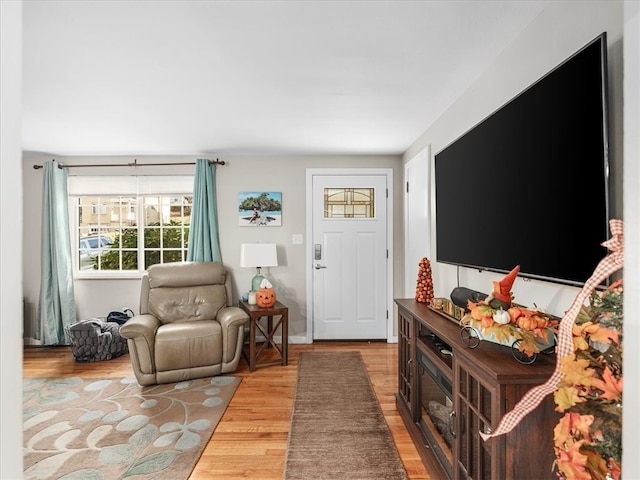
{"x": 265, "y": 297}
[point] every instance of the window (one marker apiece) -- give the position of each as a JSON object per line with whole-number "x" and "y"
{"x": 349, "y": 202}
{"x": 117, "y": 231}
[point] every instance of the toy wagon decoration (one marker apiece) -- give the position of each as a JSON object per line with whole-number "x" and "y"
{"x": 497, "y": 319}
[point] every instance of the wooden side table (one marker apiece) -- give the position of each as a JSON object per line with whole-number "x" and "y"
{"x": 256, "y": 314}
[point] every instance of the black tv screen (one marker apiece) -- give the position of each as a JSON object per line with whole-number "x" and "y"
{"x": 528, "y": 185}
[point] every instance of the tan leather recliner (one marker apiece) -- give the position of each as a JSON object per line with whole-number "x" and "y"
{"x": 186, "y": 327}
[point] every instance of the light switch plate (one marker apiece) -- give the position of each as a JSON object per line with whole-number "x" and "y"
{"x": 296, "y": 239}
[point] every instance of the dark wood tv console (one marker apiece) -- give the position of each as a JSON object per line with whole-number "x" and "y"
{"x": 448, "y": 393}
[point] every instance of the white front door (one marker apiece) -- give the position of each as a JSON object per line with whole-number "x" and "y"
{"x": 349, "y": 251}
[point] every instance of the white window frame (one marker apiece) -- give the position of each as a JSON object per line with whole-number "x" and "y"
{"x": 105, "y": 186}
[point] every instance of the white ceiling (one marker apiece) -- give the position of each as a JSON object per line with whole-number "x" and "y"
{"x": 251, "y": 77}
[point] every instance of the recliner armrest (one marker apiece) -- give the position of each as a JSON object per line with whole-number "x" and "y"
{"x": 232, "y": 320}
{"x": 232, "y": 316}
{"x": 141, "y": 326}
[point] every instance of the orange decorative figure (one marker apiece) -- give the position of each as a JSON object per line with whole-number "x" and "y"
{"x": 501, "y": 295}
{"x": 266, "y": 297}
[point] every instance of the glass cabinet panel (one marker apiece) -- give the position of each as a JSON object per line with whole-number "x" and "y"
{"x": 437, "y": 417}
{"x": 474, "y": 459}
{"x": 404, "y": 359}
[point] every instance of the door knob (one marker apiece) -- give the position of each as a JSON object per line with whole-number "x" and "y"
{"x": 318, "y": 266}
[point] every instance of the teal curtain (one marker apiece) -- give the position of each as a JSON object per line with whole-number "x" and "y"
{"x": 56, "y": 305}
{"x": 204, "y": 245}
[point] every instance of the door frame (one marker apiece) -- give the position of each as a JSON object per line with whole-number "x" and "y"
{"x": 310, "y": 173}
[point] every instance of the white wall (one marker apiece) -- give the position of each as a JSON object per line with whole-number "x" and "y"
{"x": 10, "y": 241}
{"x": 631, "y": 416}
{"x": 248, "y": 173}
{"x": 559, "y": 31}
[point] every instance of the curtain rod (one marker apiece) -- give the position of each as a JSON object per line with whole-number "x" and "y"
{"x": 131, "y": 164}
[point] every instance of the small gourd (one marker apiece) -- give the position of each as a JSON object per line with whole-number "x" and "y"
{"x": 501, "y": 317}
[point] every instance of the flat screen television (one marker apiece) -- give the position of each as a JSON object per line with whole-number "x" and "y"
{"x": 528, "y": 185}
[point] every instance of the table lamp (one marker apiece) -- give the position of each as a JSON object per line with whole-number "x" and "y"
{"x": 258, "y": 255}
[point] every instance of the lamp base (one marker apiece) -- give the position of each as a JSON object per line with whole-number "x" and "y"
{"x": 255, "y": 282}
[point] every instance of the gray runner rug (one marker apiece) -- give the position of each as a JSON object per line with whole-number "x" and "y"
{"x": 338, "y": 430}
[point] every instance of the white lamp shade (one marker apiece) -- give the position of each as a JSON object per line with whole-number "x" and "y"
{"x": 258, "y": 255}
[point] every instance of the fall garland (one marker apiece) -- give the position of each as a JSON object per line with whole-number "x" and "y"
{"x": 588, "y": 438}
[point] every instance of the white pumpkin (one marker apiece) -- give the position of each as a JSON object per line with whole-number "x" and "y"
{"x": 501, "y": 317}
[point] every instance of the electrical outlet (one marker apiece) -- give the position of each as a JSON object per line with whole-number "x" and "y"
{"x": 296, "y": 239}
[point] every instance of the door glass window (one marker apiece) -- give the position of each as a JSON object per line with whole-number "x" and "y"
{"x": 349, "y": 202}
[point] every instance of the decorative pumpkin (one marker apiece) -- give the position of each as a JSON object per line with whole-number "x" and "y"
{"x": 501, "y": 317}
{"x": 265, "y": 297}
{"x": 542, "y": 322}
{"x": 527, "y": 323}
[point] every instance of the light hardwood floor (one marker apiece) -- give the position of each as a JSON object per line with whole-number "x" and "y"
{"x": 251, "y": 439}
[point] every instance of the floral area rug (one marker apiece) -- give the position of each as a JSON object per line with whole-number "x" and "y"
{"x": 90, "y": 429}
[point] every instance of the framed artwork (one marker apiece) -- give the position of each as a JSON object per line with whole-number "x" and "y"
{"x": 260, "y": 209}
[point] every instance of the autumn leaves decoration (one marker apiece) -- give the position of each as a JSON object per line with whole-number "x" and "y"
{"x": 588, "y": 437}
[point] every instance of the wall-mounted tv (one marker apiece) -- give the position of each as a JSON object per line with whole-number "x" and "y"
{"x": 528, "y": 185}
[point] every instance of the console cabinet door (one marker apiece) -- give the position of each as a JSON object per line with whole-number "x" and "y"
{"x": 406, "y": 355}
{"x": 525, "y": 453}
{"x": 477, "y": 409}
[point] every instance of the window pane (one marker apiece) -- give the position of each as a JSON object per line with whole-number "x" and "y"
{"x": 151, "y": 211}
{"x": 130, "y": 260}
{"x": 165, "y": 210}
{"x": 172, "y": 238}
{"x": 151, "y": 238}
{"x": 128, "y": 238}
{"x": 349, "y": 202}
{"x": 126, "y": 214}
{"x": 151, "y": 257}
{"x": 171, "y": 256}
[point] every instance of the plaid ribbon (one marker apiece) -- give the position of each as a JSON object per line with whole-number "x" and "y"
{"x": 607, "y": 266}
